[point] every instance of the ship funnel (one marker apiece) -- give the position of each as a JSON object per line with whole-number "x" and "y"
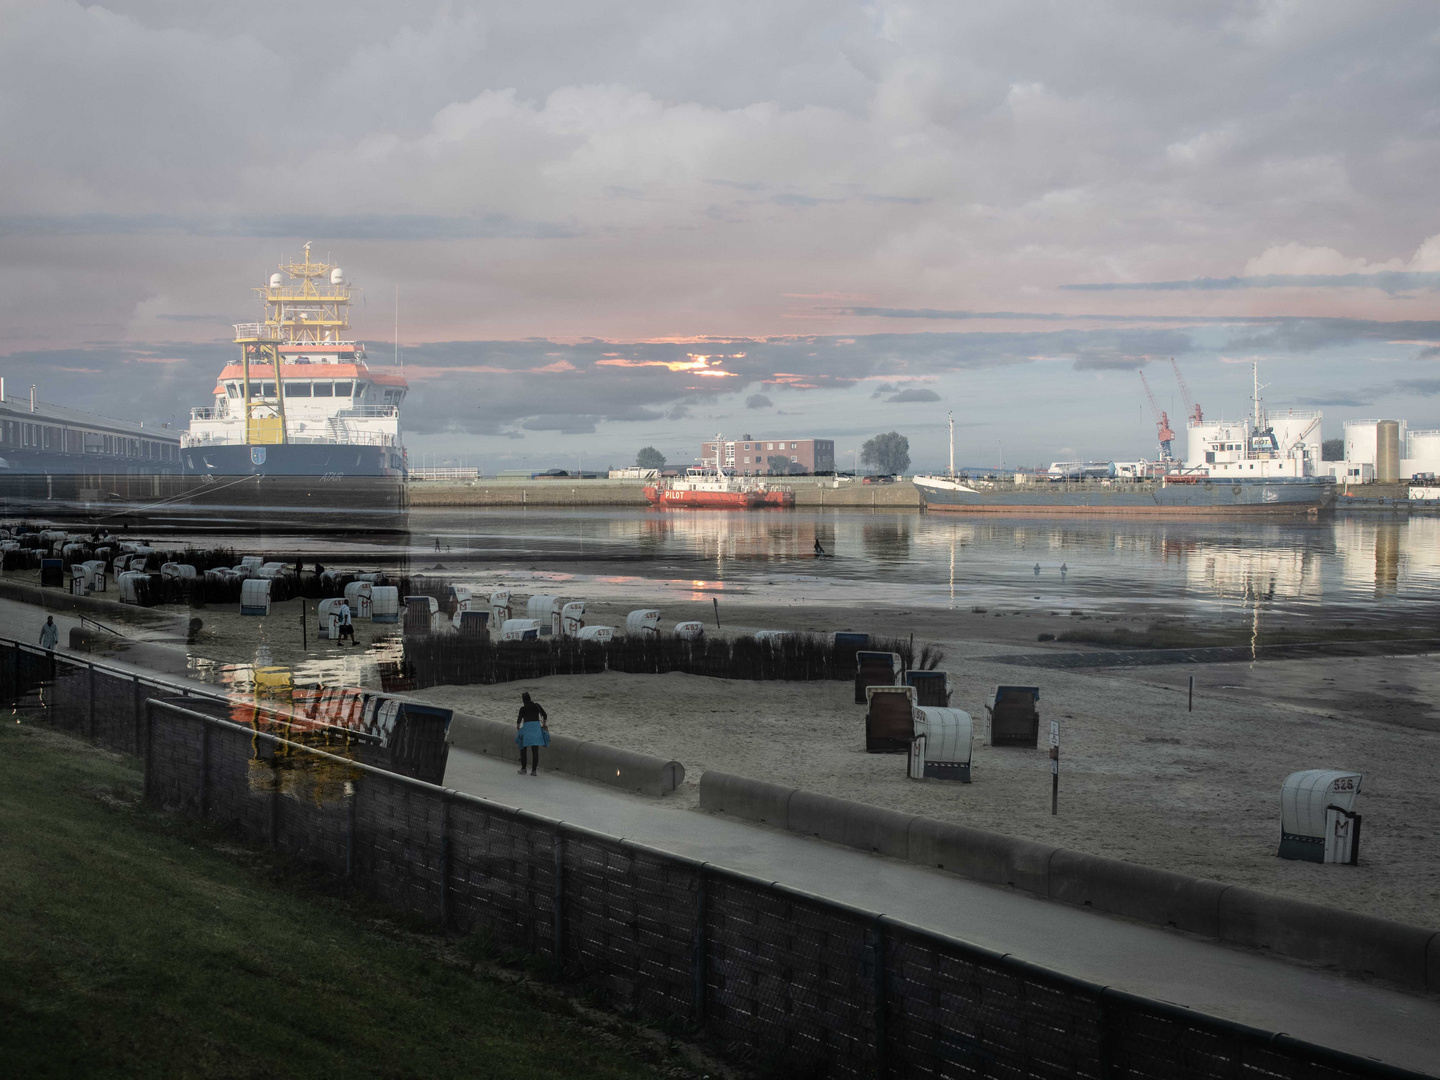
{"x": 276, "y": 280}
{"x": 337, "y": 277}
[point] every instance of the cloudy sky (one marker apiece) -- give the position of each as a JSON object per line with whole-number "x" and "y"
{"x": 613, "y": 224}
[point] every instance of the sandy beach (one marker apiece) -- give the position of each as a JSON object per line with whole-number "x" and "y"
{"x": 1142, "y": 779}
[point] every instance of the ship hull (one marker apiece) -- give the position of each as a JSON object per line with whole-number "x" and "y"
{"x": 702, "y": 500}
{"x": 294, "y": 487}
{"x": 1269, "y": 497}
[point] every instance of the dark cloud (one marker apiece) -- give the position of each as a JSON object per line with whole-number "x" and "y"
{"x": 1333, "y": 400}
{"x": 565, "y": 424}
{"x": 1423, "y": 387}
{"x": 758, "y": 401}
{"x": 905, "y": 396}
{"x": 289, "y": 226}
{"x": 1389, "y": 281}
{"x": 953, "y": 315}
{"x": 1311, "y": 335}
{"x": 883, "y": 389}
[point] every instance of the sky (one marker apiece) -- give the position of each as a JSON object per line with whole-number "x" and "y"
{"x": 612, "y": 225}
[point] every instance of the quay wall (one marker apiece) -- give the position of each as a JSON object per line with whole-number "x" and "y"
{"x": 1361, "y": 944}
{"x": 810, "y": 493}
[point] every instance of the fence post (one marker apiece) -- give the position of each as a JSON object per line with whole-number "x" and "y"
{"x": 701, "y": 944}
{"x": 204, "y": 771}
{"x": 445, "y": 857}
{"x": 91, "y": 721}
{"x": 148, "y": 785}
{"x": 14, "y": 676}
{"x": 1104, "y": 1044}
{"x": 557, "y": 901}
{"x": 135, "y": 704}
{"x": 350, "y": 831}
{"x": 273, "y": 822}
{"x": 878, "y": 973}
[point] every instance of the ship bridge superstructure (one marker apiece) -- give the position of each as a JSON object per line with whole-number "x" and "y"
{"x": 301, "y": 377}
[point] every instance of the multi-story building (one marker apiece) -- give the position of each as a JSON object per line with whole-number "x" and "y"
{"x": 751, "y": 457}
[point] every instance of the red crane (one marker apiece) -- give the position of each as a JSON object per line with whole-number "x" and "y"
{"x": 1162, "y": 422}
{"x": 1192, "y": 407}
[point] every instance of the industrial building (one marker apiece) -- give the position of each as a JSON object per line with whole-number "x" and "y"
{"x": 751, "y": 457}
{"x": 1389, "y": 451}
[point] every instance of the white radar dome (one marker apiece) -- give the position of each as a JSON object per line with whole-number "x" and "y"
{"x": 336, "y": 276}
{"x": 276, "y": 280}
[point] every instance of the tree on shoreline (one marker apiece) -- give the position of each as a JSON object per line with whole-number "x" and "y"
{"x": 649, "y": 458}
{"x": 889, "y": 453}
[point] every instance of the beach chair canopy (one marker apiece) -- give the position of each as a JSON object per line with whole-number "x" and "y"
{"x": 1305, "y": 796}
{"x": 889, "y": 718}
{"x": 1014, "y": 717}
{"x": 949, "y": 733}
{"x": 931, "y": 687}
{"x": 643, "y": 621}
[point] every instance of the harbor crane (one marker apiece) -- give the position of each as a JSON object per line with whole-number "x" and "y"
{"x": 1192, "y": 407}
{"x": 1162, "y": 422}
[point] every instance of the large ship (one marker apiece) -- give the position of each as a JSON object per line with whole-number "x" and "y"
{"x": 1263, "y": 465}
{"x": 708, "y": 486}
{"x": 303, "y": 433}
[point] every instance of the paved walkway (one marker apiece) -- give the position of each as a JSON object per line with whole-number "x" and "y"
{"x": 1275, "y": 995}
{"x": 1344, "y": 1013}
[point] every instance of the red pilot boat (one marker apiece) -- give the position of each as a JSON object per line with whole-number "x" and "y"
{"x": 706, "y": 486}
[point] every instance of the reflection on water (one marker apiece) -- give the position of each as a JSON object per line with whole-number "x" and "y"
{"x": 955, "y": 561}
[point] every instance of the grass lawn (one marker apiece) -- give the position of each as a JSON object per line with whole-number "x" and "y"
{"x": 137, "y": 944}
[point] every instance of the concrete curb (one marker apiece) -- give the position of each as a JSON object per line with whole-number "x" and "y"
{"x": 604, "y": 764}
{"x": 1359, "y": 944}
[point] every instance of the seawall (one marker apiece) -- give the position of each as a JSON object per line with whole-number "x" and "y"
{"x": 810, "y": 493}
{"x": 1360, "y": 944}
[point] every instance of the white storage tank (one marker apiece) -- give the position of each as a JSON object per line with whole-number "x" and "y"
{"x": 599, "y": 634}
{"x": 1317, "y": 822}
{"x": 772, "y": 637}
{"x": 460, "y": 598}
{"x": 690, "y": 631}
{"x": 500, "y": 608}
{"x": 96, "y": 570}
{"x": 255, "y": 596}
{"x": 385, "y": 604}
{"x": 360, "y": 595}
{"x": 79, "y": 579}
{"x": 643, "y": 621}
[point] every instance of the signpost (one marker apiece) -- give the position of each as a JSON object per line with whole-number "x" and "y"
{"x": 1054, "y": 767}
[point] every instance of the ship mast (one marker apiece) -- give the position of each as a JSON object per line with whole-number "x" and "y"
{"x": 951, "y": 417}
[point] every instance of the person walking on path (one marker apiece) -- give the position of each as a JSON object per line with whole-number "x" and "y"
{"x": 49, "y": 633}
{"x": 347, "y": 624}
{"x": 531, "y": 732}
{"x": 1063, "y": 571}
{"x": 1037, "y": 569}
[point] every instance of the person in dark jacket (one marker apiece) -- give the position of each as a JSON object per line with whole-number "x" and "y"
{"x": 531, "y": 732}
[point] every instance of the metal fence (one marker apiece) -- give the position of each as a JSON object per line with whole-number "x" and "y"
{"x": 782, "y": 980}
